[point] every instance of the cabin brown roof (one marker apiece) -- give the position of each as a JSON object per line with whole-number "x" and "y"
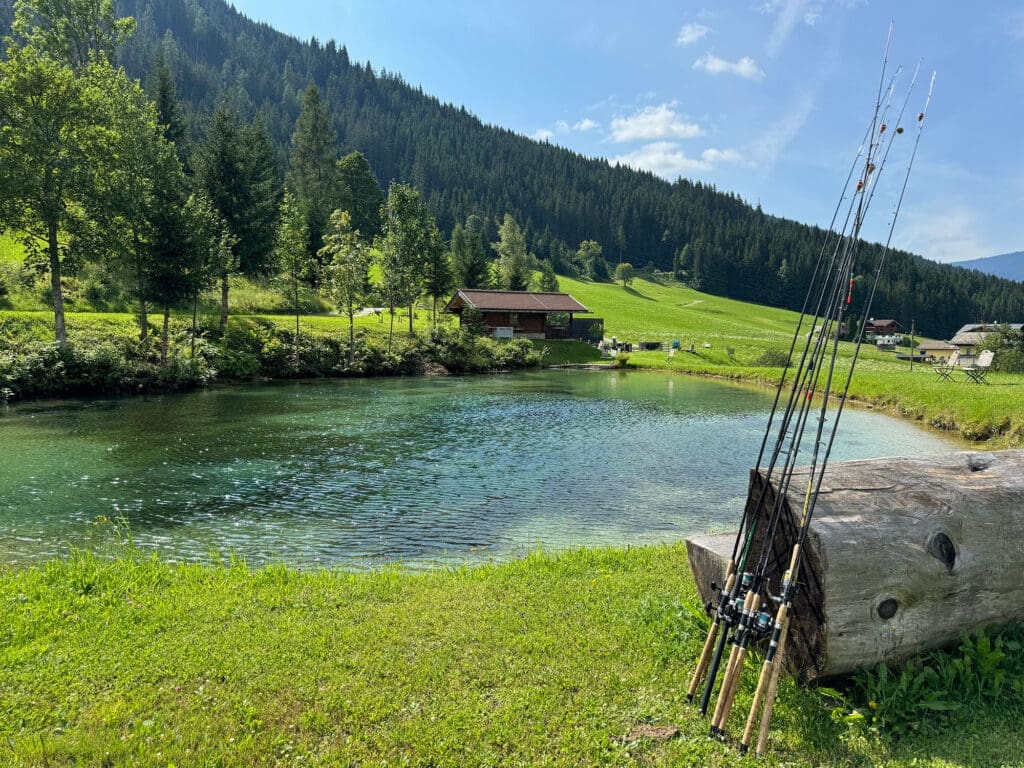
{"x": 513, "y": 301}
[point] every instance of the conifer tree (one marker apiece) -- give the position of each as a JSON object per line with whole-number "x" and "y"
{"x": 366, "y": 198}
{"x": 513, "y": 261}
{"x": 314, "y": 176}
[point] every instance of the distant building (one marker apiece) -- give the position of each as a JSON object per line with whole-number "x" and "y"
{"x": 971, "y": 338}
{"x": 881, "y": 327}
{"x": 940, "y": 350}
{"x": 509, "y": 314}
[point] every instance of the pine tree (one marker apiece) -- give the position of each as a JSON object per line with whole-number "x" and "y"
{"x": 314, "y": 177}
{"x": 513, "y": 260}
{"x": 548, "y": 282}
{"x": 366, "y": 196}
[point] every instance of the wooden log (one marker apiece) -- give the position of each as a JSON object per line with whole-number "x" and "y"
{"x": 903, "y": 555}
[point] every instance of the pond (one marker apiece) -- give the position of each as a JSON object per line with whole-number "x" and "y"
{"x": 425, "y": 471}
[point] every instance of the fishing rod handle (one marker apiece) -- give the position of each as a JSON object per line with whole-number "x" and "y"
{"x": 737, "y": 672}
{"x": 709, "y": 643}
{"x": 773, "y": 688}
{"x": 764, "y": 679}
{"x": 705, "y": 660}
{"x": 730, "y": 667}
{"x": 716, "y": 662}
{"x": 762, "y": 684}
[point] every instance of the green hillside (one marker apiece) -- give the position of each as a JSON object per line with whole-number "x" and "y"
{"x": 461, "y": 166}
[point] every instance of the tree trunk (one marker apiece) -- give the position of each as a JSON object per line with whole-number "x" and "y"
{"x": 902, "y": 556}
{"x": 411, "y": 331}
{"x": 391, "y": 329}
{"x": 166, "y": 335}
{"x": 140, "y": 278}
{"x": 195, "y": 312}
{"x": 223, "y": 303}
{"x": 143, "y": 319}
{"x": 351, "y": 335}
{"x": 295, "y": 296}
{"x": 53, "y": 249}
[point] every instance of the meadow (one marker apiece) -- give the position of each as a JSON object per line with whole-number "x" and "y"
{"x": 573, "y": 659}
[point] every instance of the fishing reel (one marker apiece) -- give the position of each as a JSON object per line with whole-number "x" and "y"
{"x": 730, "y": 607}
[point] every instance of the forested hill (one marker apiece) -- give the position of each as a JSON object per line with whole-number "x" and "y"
{"x": 462, "y": 166}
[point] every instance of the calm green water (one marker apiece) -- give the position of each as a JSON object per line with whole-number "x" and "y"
{"x": 425, "y": 471}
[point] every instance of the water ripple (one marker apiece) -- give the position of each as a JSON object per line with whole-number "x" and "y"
{"x": 426, "y": 472}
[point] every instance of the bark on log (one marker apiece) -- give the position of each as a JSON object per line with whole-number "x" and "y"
{"x": 903, "y": 555}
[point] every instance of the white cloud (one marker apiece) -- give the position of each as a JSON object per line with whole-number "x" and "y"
{"x": 543, "y": 134}
{"x": 659, "y": 122}
{"x": 691, "y": 33}
{"x": 586, "y": 124}
{"x": 745, "y": 67}
{"x": 561, "y": 126}
{"x": 666, "y": 159}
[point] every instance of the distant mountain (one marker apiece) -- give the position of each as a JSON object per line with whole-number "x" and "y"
{"x": 1008, "y": 265}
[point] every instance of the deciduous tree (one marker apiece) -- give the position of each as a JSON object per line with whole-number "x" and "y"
{"x": 347, "y": 262}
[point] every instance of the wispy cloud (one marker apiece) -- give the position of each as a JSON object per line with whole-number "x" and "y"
{"x": 1015, "y": 24}
{"x": 943, "y": 232}
{"x": 586, "y": 124}
{"x": 766, "y": 148}
{"x": 745, "y": 67}
{"x": 660, "y": 122}
{"x": 562, "y": 126}
{"x": 691, "y": 33}
{"x": 666, "y": 159}
{"x": 788, "y": 13}
{"x": 543, "y": 134}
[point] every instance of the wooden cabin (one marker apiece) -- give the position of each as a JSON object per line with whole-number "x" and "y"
{"x": 524, "y": 314}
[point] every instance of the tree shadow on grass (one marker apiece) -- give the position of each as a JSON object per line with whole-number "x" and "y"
{"x": 635, "y": 292}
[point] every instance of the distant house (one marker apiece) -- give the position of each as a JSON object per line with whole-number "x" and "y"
{"x": 940, "y": 350}
{"x": 970, "y": 339}
{"x": 881, "y": 327}
{"x": 507, "y": 314}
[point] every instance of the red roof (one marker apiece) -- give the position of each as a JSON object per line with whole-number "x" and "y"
{"x": 513, "y": 301}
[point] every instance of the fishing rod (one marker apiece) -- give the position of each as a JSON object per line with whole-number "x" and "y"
{"x": 711, "y": 656}
{"x": 753, "y": 622}
{"x": 767, "y": 687}
{"x": 861, "y": 215}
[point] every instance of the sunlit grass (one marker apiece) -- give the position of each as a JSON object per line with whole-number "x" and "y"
{"x": 548, "y": 660}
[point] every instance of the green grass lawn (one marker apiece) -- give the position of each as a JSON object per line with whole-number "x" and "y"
{"x": 549, "y": 660}
{"x": 738, "y": 334}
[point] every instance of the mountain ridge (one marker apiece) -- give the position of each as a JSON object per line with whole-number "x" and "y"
{"x": 1006, "y": 265}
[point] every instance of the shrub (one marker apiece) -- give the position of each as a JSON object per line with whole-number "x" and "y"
{"x": 772, "y": 358}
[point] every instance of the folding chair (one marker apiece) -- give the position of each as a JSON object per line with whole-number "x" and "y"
{"x": 976, "y": 372}
{"x": 945, "y": 370}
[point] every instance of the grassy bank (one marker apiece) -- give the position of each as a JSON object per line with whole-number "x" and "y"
{"x": 735, "y": 340}
{"x": 549, "y": 660}
{"x": 105, "y": 356}
{"x": 729, "y": 338}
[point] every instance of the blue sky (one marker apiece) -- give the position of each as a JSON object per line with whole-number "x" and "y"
{"x": 765, "y": 98}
